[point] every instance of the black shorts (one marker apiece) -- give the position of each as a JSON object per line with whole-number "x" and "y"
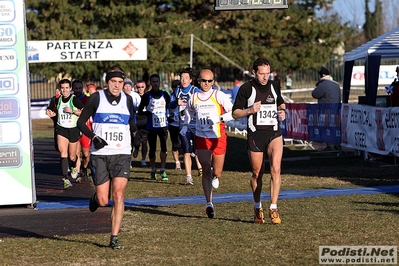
{"x": 175, "y": 137}
{"x": 72, "y": 134}
{"x": 259, "y": 140}
{"x": 108, "y": 166}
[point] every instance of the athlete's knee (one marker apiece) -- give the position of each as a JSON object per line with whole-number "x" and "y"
{"x": 164, "y": 148}
{"x": 275, "y": 170}
{"x": 175, "y": 147}
{"x": 256, "y": 175}
{"x": 102, "y": 201}
{"x": 118, "y": 196}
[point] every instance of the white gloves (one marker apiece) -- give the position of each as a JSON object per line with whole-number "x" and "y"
{"x": 226, "y": 117}
{"x": 183, "y": 131}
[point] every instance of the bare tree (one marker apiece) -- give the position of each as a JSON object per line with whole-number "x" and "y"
{"x": 391, "y": 11}
{"x": 352, "y": 14}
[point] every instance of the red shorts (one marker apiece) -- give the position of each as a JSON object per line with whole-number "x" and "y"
{"x": 85, "y": 142}
{"x": 216, "y": 145}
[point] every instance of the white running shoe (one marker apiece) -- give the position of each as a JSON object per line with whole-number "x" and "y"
{"x": 74, "y": 172}
{"x": 189, "y": 180}
{"x": 215, "y": 182}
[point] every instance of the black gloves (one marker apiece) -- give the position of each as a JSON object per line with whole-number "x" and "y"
{"x": 98, "y": 142}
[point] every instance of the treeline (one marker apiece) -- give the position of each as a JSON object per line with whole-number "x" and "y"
{"x": 293, "y": 39}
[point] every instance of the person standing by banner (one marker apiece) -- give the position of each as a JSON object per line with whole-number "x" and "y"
{"x": 327, "y": 91}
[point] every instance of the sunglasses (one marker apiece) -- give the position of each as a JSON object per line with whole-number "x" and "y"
{"x": 206, "y": 80}
{"x": 142, "y": 87}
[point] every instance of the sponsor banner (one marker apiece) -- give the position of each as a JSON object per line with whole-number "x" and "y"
{"x": 386, "y": 77}
{"x": 87, "y": 50}
{"x": 296, "y": 123}
{"x": 17, "y": 185}
{"x": 377, "y": 255}
{"x": 324, "y": 122}
{"x": 8, "y": 84}
{"x": 370, "y": 128}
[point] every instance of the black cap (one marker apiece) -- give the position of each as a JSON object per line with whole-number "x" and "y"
{"x": 323, "y": 72}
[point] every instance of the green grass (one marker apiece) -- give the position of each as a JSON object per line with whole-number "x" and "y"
{"x": 183, "y": 235}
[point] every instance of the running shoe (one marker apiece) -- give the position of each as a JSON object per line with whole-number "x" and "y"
{"x": 93, "y": 205}
{"x": 114, "y": 243}
{"x": 135, "y": 153}
{"x": 74, "y": 172}
{"x": 143, "y": 163}
{"x": 153, "y": 176}
{"x": 164, "y": 177}
{"x": 215, "y": 182}
{"x": 85, "y": 175}
{"x": 210, "y": 211}
{"x": 78, "y": 179}
{"x": 189, "y": 180}
{"x": 259, "y": 217}
{"x": 178, "y": 166}
{"x": 274, "y": 216}
{"x": 67, "y": 183}
{"x": 200, "y": 172}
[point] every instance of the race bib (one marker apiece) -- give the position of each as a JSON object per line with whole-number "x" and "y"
{"x": 158, "y": 116}
{"x": 206, "y": 118}
{"x": 113, "y": 135}
{"x": 267, "y": 115}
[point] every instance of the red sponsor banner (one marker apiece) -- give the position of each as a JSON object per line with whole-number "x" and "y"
{"x": 296, "y": 124}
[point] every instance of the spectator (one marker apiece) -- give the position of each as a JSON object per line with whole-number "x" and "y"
{"x": 327, "y": 90}
{"x": 288, "y": 83}
{"x": 235, "y": 90}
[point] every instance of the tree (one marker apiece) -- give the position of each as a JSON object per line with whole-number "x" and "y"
{"x": 293, "y": 39}
{"x": 373, "y": 27}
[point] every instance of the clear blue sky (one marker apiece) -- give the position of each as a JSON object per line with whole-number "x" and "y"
{"x": 352, "y": 11}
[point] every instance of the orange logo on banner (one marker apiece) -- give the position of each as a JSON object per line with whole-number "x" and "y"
{"x": 130, "y": 49}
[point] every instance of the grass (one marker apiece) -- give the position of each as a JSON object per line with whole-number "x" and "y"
{"x": 183, "y": 235}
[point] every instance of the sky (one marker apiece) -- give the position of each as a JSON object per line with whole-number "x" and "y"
{"x": 352, "y": 10}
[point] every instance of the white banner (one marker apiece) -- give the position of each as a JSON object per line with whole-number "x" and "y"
{"x": 370, "y": 129}
{"x": 386, "y": 77}
{"x": 87, "y": 50}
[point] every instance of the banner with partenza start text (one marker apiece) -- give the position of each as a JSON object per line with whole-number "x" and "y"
{"x": 17, "y": 182}
{"x": 87, "y": 50}
{"x": 370, "y": 128}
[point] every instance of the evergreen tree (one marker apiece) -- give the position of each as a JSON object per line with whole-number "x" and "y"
{"x": 294, "y": 38}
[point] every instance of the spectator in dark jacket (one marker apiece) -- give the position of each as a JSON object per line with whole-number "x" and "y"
{"x": 327, "y": 90}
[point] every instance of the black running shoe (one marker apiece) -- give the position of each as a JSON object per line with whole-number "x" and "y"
{"x": 210, "y": 211}
{"x": 85, "y": 175}
{"x": 93, "y": 205}
{"x": 114, "y": 243}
